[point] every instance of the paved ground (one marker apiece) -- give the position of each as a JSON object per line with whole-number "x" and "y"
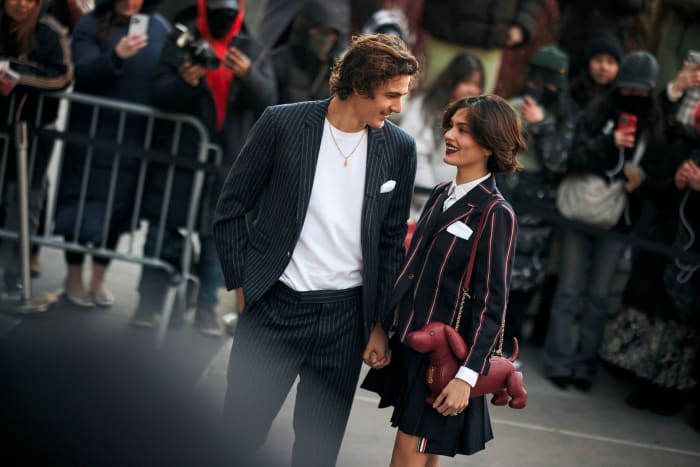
{"x": 558, "y": 428}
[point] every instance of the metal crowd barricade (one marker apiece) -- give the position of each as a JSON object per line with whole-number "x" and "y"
{"x": 206, "y": 159}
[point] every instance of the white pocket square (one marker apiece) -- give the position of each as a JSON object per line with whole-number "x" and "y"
{"x": 387, "y": 186}
{"x": 460, "y": 229}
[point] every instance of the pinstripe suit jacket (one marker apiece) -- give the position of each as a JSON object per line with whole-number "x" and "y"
{"x": 270, "y": 186}
{"x": 429, "y": 284}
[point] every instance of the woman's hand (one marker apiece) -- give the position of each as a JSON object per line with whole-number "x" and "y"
{"x": 191, "y": 74}
{"x": 454, "y": 398}
{"x": 377, "y": 354}
{"x": 128, "y": 46}
{"x": 624, "y": 139}
{"x": 680, "y": 179}
{"x": 693, "y": 172}
{"x": 688, "y": 76}
{"x": 531, "y": 111}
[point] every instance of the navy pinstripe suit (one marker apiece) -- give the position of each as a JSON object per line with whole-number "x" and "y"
{"x": 260, "y": 215}
{"x": 437, "y": 264}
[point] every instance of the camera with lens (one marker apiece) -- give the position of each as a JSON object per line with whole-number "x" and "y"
{"x": 198, "y": 51}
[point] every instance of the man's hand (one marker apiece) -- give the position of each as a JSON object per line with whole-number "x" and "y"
{"x": 128, "y": 46}
{"x": 454, "y": 398}
{"x": 377, "y": 354}
{"x": 531, "y": 111}
{"x": 516, "y": 36}
{"x": 191, "y": 74}
{"x": 237, "y": 62}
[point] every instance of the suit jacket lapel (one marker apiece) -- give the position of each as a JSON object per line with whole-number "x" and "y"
{"x": 478, "y": 196}
{"x": 374, "y": 177}
{"x": 310, "y": 144}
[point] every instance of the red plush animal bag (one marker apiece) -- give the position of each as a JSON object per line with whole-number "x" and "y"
{"x": 447, "y": 350}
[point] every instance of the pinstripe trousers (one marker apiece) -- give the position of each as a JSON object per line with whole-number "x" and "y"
{"x": 315, "y": 335}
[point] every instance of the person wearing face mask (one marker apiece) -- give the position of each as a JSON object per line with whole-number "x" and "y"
{"x": 113, "y": 64}
{"x": 549, "y": 115}
{"x": 227, "y": 95}
{"x": 608, "y": 146}
{"x": 303, "y": 62}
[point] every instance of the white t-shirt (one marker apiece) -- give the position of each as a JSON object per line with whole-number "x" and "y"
{"x": 328, "y": 255}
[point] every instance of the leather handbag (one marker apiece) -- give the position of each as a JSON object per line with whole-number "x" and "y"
{"x": 592, "y": 199}
{"x": 447, "y": 350}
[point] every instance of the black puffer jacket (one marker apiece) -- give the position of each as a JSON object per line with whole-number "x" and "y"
{"x": 483, "y": 23}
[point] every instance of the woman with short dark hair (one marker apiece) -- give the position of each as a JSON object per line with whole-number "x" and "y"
{"x": 483, "y": 136}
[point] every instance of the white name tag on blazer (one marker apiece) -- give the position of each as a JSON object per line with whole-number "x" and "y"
{"x": 460, "y": 229}
{"x": 387, "y": 186}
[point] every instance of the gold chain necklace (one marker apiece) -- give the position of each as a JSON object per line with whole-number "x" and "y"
{"x": 342, "y": 154}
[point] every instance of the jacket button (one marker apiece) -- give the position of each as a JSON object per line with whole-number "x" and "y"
{"x": 289, "y": 254}
{"x": 411, "y": 276}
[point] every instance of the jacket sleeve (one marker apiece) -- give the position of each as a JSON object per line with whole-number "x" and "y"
{"x": 259, "y": 89}
{"x": 393, "y": 231}
{"x": 491, "y": 283}
{"x": 246, "y": 180}
{"x": 592, "y": 150}
{"x": 170, "y": 92}
{"x": 54, "y": 73}
{"x": 526, "y": 17}
{"x": 552, "y": 143}
{"x": 94, "y": 68}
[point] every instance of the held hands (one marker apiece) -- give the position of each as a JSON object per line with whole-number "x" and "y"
{"x": 531, "y": 111}
{"x": 191, "y": 74}
{"x": 377, "y": 354}
{"x": 237, "y": 62}
{"x": 129, "y": 45}
{"x": 454, "y": 398}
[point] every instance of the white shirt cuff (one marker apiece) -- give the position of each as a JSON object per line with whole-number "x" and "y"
{"x": 672, "y": 96}
{"x": 468, "y": 375}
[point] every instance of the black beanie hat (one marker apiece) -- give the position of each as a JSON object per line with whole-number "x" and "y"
{"x": 639, "y": 70}
{"x": 603, "y": 43}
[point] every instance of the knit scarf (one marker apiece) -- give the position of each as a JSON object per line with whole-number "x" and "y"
{"x": 219, "y": 80}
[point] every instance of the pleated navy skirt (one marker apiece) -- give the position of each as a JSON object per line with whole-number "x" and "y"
{"x": 402, "y": 385}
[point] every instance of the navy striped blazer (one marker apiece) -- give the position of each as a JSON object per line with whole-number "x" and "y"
{"x": 429, "y": 284}
{"x": 269, "y": 186}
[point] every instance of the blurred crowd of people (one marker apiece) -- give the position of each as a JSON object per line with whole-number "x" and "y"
{"x": 612, "y": 102}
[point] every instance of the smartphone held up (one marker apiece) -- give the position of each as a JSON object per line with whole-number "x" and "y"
{"x": 627, "y": 123}
{"x": 138, "y": 24}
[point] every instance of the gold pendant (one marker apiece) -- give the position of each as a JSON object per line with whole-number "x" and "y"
{"x": 345, "y": 164}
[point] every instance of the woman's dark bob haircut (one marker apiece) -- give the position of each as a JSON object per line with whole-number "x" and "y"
{"x": 495, "y": 125}
{"x": 371, "y": 61}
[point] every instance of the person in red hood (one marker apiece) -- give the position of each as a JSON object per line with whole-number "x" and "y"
{"x": 227, "y": 93}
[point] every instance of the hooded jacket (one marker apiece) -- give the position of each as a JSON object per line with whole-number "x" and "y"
{"x": 247, "y": 98}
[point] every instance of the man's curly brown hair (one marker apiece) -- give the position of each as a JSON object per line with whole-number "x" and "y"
{"x": 371, "y": 61}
